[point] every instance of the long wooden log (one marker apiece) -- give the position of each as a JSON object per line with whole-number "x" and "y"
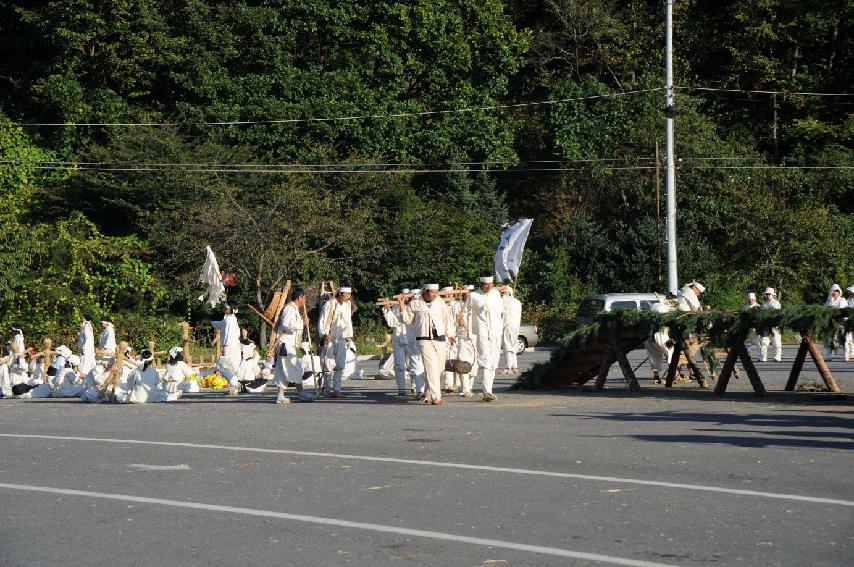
{"x": 752, "y": 374}
{"x": 728, "y": 367}
{"x": 628, "y": 373}
{"x": 823, "y": 370}
{"x": 674, "y": 364}
{"x": 603, "y": 370}
{"x": 274, "y": 336}
{"x": 798, "y": 365}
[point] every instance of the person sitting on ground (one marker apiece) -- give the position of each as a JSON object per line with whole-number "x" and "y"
{"x": 176, "y": 371}
{"x": 69, "y": 383}
{"x": 144, "y": 382}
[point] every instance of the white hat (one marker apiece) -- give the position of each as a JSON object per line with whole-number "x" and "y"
{"x": 173, "y": 352}
{"x": 487, "y": 279}
{"x": 431, "y": 287}
{"x": 835, "y": 287}
{"x": 448, "y": 288}
{"x": 74, "y": 360}
{"x": 345, "y": 289}
{"x": 63, "y": 351}
{"x": 850, "y": 289}
{"x": 769, "y": 291}
{"x": 700, "y": 287}
{"x": 751, "y": 295}
{"x": 405, "y": 290}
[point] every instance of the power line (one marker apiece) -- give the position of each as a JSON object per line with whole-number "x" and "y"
{"x": 408, "y": 170}
{"x": 747, "y": 91}
{"x": 340, "y": 118}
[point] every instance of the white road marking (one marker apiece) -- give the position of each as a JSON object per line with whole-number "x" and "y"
{"x": 554, "y": 551}
{"x": 144, "y": 467}
{"x": 531, "y": 472}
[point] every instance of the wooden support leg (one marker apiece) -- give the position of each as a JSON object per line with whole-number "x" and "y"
{"x": 817, "y": 357}
{"x": 701, "y": 380}
{"x": 803, "y": 349}
{"x": 628, "y": 373}
{"x": 755, "y": 381}
{"x": 727, "y": 370}
{"x": 674, "y": 364}
{"x": 603, "y": 370}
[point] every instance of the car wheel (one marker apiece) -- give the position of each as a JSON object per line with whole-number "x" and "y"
{"x": 521, "y": 344}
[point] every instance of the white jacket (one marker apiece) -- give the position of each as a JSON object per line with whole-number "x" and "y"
{"x": 687, "y": 300}
{"x": 429, "y": 319}
{"x": 771, "y": 304}
{"x": 336, "y": 320}
{"x": 487, "y": 310}
{"x": 392, "y": 319}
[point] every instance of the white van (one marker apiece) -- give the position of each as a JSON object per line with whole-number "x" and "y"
{"x": 593, "y": 305}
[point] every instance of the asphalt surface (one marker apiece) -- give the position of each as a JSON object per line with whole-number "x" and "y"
{"x": 563, "y": 477}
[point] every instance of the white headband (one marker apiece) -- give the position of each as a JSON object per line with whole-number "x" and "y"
{"x": 487, "y": 279}
{"x": 345, "y": 290}
{"x": 431, "y": 287}
{"x": 173, "y": 352}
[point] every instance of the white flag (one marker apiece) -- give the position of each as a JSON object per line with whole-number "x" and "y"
{"x": 508, "y": 256}
{"x": 212, "y": 277}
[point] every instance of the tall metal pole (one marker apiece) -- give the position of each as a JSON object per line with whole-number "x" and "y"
{"x": 670, "y": 174}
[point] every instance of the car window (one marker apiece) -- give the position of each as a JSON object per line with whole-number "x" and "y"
{"x": 624, "y": 305}
{"x": 590, "y": 307}
{"x": 647, "y": 303}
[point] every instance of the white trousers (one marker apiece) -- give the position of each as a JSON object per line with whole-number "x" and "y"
{"x": 777, "y": 339}
{"x": 333, "y": 360}
{"x": 658, "y": 351}
{"x": 400, "y": 353}
{"x": 415, "y": 367}
{"x": 849, "y": 346}
{"x": 508, "y": 342}
{"x": 433, "y": 355}
{"x": 488, "y": 353}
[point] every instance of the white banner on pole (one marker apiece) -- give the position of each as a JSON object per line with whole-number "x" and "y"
{"x": 508, "y": 256}
{"x": 212, "y": 277}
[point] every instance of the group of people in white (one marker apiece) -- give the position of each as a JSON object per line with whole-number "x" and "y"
{"x": 660, "y": 348}
{"x": 442, "y": 339}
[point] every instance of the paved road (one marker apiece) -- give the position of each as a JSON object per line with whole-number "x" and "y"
{"x": 675, "y": 477}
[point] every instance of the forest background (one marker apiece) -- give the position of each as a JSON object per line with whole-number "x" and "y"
{"x": 113, "y": 220}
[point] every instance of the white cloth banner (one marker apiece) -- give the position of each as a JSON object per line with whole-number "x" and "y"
{"x": 508, "y": 256}
{"x": 212, "y": 277}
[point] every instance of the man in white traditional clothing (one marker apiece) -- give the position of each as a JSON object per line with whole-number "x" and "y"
{"x": 688, "y": 298}
{"x": 512, "y": 322}
{"x": 849, "y": 336}
{"x": 835, "y": 300}
{"x": 18, "y": 367}
{"x": 86, "y": 344}
{"x": 751, "y": 303}
{"x": 107, "y": 341}
{"x": 429, "y": 315}
{"x": 288, "y": 369}
{"x": 229, "y": 336}
{"x": 414, "y": 363}
{"x": 69, "y": 382}
{"x": 176, "y": 371}
{"x": 454, "y": 306}
{"x": 774, "y": 334}
{"x": 660, "y": 348}
{"x": 466, "y": 347}
{"x": 399, "y": 343}
{"x": 335, "y": 330}
{"x": 488, "y": 327}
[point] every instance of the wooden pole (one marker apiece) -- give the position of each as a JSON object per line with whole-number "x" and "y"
{"x": 607, "y": 361}
{"x": 755, "y": 381}
{"x": 823, "y": 370}
{"x": 729, "y": 366}
{"x": 185, "y": 341}
{"x": 803, "y": 349}
{"x": 674, "y": 363}
{"x": 274, "y": 335}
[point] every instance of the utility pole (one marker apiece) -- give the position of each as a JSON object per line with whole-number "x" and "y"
{"x": 670, "y": 173}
